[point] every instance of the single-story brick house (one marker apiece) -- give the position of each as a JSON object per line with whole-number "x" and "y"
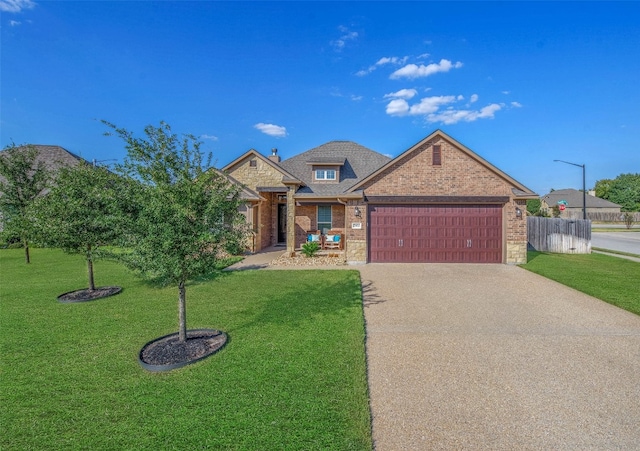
{"x": 436, "y": 202}
{"x": 597, "y": 208}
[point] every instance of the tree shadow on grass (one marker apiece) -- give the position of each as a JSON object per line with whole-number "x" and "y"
{"x": 303, "y": 296}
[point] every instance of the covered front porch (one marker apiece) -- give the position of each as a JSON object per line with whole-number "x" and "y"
{"x": 339, "y": 222}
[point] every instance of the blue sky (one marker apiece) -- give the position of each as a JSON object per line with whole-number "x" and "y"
{"x": 519, "y": 83}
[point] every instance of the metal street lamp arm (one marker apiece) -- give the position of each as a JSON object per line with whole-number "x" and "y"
{"x": 574, "y": 164}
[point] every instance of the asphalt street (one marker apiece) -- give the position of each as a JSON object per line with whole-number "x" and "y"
{"x": 617, "y": 241}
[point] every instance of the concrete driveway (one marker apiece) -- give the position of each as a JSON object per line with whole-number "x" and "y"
{"x": 495, "y": 357}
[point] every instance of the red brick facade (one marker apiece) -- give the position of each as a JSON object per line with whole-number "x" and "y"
{"x": 460, "y": 173}
{"x": 456, "y": 173}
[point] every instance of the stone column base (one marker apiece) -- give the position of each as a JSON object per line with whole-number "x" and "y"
{"x": 356, "y": 251}
{"x": 516, "y": 252}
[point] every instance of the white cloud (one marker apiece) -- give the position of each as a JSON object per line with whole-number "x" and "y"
{"x": 506, "y": 93}
{"x": 341, "y": 42}
{"x": 382, "y": 62}
{"x": 14, "y": 23}
{"x": 211, "y": 137}
{"x": 474, "y": 98}
{"x": 397, "y": 107}
{"x": 427, "y": 105}
{"x": 431, "y": 108}
{"x": 355, "y": 98}
{"x": 516, "y": 104}
{"x": 15, "y": 6}
{"x": 414, "y": 71}
{"x": 430, "y": 105}
{"x": 452, "y": 116}
{"x": 423, "y": 56}
{"x": 391, "y": 60}
{"x": 271, "y": 129}
{"x": 402, "y": 94}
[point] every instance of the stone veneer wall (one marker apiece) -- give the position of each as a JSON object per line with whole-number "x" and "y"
{"x": 356, "y": 251}
{"x": 263, "y": 174}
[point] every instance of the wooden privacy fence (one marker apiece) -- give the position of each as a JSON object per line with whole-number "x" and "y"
{"x": 563, "y": 236}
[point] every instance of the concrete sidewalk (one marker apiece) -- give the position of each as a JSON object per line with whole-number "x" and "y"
{"x": 460, "y": 359}
{"x": 258, "y": 260}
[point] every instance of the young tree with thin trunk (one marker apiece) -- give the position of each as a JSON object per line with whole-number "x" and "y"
{"x": 186, "y": 215}
{"x": 82, "y": 212}
{"x": 22, "y": 180}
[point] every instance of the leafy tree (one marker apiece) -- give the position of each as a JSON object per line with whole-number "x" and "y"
{"x": 22, "y": 180}
{"x": 623, "y": 190}
{"x": 533, "y": 207}
{"x": 602, "y": 188}
{"x": 628, "y": 220}
{"x": 186, "y": 212}
{"x": 82, "y": 212}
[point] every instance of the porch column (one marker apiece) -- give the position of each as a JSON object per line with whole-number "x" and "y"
{"x": 291, "y": 220}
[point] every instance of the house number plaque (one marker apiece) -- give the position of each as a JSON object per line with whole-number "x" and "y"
{"x": 356, "y": 225}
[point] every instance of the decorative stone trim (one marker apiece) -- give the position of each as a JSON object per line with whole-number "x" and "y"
{"x": 356, "y": 251}
{"x": 516, "y": 252}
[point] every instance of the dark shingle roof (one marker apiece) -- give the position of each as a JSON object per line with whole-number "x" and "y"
{"x": 55, "y": 156}
{"x": 574, "y": 199}
{"x": 358, "y": 162}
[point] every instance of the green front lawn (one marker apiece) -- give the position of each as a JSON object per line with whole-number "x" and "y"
{"x": 612, "y": 279}
{"x": 292, "y": 375}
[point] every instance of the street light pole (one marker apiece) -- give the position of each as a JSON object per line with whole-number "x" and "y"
{"x": 584, "y": 187}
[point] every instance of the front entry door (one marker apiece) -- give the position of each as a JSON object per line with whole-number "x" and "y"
{"x": 282, "y": 223}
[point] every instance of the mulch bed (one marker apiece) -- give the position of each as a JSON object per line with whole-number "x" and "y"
{"x": 168, "y": 352}
{"x": 86, "y": 294}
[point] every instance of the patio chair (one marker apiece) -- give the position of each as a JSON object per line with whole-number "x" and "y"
{"x": 315, "y": 236}
{"x": 334, "y": 239}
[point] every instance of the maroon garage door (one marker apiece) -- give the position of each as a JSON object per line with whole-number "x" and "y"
{"x": 435, "y": 233}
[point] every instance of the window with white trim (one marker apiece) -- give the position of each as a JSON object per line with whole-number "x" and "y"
{"x": 324, "y": 218}
{"x": 325, "y": 174}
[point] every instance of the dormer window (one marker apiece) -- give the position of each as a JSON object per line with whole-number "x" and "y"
{"x": 326, "y": 170}
{"x": 325, "y": 174}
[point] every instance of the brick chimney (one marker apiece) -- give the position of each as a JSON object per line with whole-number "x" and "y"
{"x": 274, "y": 156}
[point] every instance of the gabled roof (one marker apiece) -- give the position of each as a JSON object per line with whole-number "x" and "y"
{"x": 522, "y": 191}
{"x": 573, "y": 197}
{"x": 252, "y": 153}
{"x": 356, "y": 162}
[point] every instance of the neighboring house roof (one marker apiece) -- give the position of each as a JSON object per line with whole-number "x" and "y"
{"x": 520, "y": 191}
{"x": 55, "y": 157}
{"x": 573, "y": 197}
{"x": 356, "y": 162}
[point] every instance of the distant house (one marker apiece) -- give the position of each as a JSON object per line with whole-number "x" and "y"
{"x": 55, "y": 157}
{"x": 597, "y": 209}
{"x": 438, "y": 201}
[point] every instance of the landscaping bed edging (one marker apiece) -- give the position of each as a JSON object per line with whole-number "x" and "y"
{"x": 166, "y": 353}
